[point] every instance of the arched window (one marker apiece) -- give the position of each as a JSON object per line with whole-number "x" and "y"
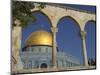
{"x": 29, "y": 48}
{"x": 29, "y": 64}
{"x": 24, "y": 64}
{"x": 43, "y": 65}
{"x": 32, "y": 49}
{"x": 46, "y": 50}
{"x": 36, "y": 64}
{"x": 39, "y": 49}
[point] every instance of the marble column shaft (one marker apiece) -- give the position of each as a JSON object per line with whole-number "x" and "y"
{"x": 85, "y": 59}
{"x": 54, "y": 51}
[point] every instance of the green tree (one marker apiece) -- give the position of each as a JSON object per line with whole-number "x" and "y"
{"x": 21, "y": 11}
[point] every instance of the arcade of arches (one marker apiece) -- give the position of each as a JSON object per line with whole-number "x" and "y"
{"x": 54, "y": 15}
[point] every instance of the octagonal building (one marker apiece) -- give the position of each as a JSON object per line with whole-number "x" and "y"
{"x": 37, "y": 52}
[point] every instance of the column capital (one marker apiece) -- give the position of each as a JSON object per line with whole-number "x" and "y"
{"x": 83, "y": 34}
{"x": 17, "y": 22}
{"x": 54, "y": 29}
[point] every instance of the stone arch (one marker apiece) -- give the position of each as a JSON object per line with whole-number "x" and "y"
{"x": 90, "y": 21}
{"x": 72, "y": 18}
{"x": 44, "y": 15}
{"x": 87, "y": 18}
{"x": 76, "y": 39}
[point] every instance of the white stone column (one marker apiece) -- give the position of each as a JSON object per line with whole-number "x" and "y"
{"x": 85, "y": 59}
{"x": 54, "y": 51}
{"x": 16, "y": 45}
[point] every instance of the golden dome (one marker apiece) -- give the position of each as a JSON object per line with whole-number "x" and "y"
{"x": 39, "y": 37}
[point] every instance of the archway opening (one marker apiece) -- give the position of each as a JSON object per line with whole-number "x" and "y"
{"x": 68, "y": 37}
{"x": 90, "y": 29}
{"x": 42, "y": 22}
{"x": 43, "y": 65}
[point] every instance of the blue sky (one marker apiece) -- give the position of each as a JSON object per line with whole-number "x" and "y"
{"x": 68, "y": 36}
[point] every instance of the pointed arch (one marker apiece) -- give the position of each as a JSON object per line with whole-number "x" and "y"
{"x": 44, "y": 15}
{"x": 90, "y": 28}
{"x": 90, "y": 21}
{"x": 26, "y": 30}
{"x": 68, "y": 38}
{"x": 71, "y": 19}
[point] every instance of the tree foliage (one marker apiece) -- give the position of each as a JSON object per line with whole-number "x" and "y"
{"x": 21, "y": 11}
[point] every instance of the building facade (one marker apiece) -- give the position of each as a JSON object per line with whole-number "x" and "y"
{"x": 37, "y": 53}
